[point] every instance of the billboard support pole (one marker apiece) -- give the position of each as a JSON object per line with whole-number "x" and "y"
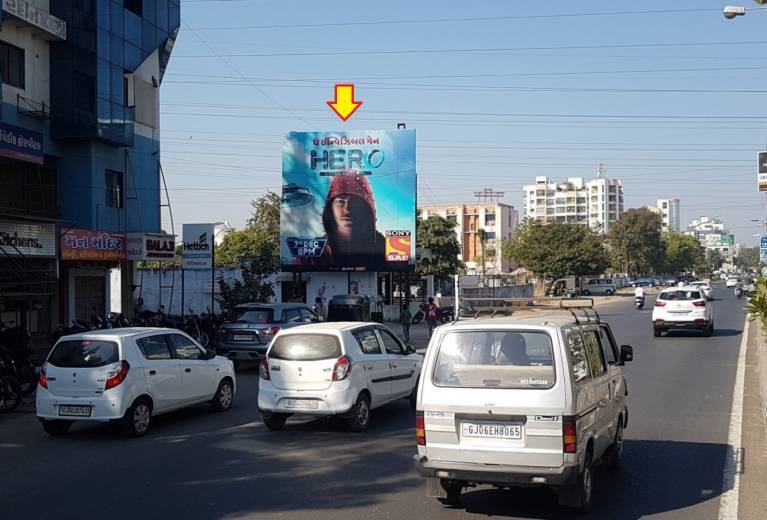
{"x": 348, "y": 282}
{"x": 213, "y": 274}
{"x": 182, "y": 294}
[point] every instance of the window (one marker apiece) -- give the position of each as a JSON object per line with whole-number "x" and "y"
{"x": 114, "y": 189}
{"x": 578, "y": 356}
{"x": 391, "y": 344}
{"x": 608, "y": 346}
{"x": 154, "y": 347}
{"x": 185, "y": 347}
{"x": 489, "y": 219}
{"x": 307, "y": 315}
{"x": 84, "y": 91}
{"x": 679, "y": 295}
{"x": 305, "y": 347}
{"x": 135, "y": 6}
{"x": 292, "y": 316}
{"x": 84, "y": 354}
{"x": 12, "y": 65}
{"x": 250, "y": 315}
{"x": 495, "y": 359}
{"x": 368, "y": 341}
{"x": 594, "y": 352}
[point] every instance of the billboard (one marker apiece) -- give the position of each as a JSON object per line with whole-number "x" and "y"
{"x": 197, "y": 250}
{"x": 761, "y": 169}
{"x": 85, "y": 244}
{"x": 151, "y": 246}
{"x": 348, "y": 201}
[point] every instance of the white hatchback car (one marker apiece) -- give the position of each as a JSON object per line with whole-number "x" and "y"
{"x": 682, "y": 308}
{"x": 127, "y": 376}
{"x": 343, "y": 368}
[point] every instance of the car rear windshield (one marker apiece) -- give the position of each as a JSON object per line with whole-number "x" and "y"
{"x": 495, "y": 359}
{"x": 305, "y": 347}
{"x": 85, "y": 353}
{"x": 252, "y": 315}
{"x": 680, "y": 295}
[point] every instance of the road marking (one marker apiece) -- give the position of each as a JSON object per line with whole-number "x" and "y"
{"x": 728, "y": 503}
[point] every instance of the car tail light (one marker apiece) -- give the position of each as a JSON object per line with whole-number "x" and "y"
{"x": 342, "y": 368}
{"x": 275, "y": 330}
{"x": 700, "y": 321}
{"x": 264, "y": 369}
{"x": 569, "y": 435}
{"x": 117, "y": 374}
{"x": 420, "y": 429}
{"x": 700, "y": 303}
{"x": 660, "y": 322}
{"x": 659, "y": 303}
{"x": 43, "y": 380}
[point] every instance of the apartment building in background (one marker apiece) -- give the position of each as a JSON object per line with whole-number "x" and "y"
{"x": 597, "y": 203}
{"x": 498, "y": 221}
{"x": 713, "y": 236}
{"x": 668, "y": 210}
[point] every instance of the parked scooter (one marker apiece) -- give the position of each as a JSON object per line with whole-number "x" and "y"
{"x": 444, "y": 314}
{"x": 639, "y": 302}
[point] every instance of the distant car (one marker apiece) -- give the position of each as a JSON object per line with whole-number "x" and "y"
{"x": 671, "y": 282}
{"x": 643, "y": 282}
{"x": 732, "y": 281}
{"x": 705, "y": 288}
{"x": 248, "y": 329}
{"x": 345, "y": 369}
{"x": 604, "y": 286}
{"x": 682, "y": 308}
{"x": 128, "y": 376}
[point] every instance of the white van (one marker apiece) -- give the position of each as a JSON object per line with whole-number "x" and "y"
{"x": 521, "y": 401}
{"x": 604, "y": 286}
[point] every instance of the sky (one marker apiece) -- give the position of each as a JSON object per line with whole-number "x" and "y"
{"x": 670, "y": 96}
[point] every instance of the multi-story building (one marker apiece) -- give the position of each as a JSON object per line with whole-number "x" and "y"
{"x": 713, "y": 236}
{"x": 668, "y": 210}
{"x": 79, "y": 143}
{"x": 597, "y": 203}
{"x": 498, "y": 222}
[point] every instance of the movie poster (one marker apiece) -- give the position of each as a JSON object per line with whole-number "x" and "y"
{"x": 348, "y": 201}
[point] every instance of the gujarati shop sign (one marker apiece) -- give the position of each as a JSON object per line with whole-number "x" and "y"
{"x": 20, "y": 143}
{"x": 83, "y": 244}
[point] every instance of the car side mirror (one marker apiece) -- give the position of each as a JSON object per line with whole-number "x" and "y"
{"x": 627, "y": 353}
{"x": 315, "y": 320}
{"x": 210, "y": 353}
{"x": 409, "y": 350}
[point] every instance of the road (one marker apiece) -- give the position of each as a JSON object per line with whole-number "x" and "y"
{"x": 197, "y": 464}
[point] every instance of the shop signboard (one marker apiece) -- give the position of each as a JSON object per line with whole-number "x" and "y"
{"x": 20, "y": 238}
{"x": 151, "y": 247}
{"x": 197, "y": 251}
{"x": 20, "y": 143}
{"x": 100, "y": 246}
{"x": 763, "y": 248}
{"x": 348, "y": 201}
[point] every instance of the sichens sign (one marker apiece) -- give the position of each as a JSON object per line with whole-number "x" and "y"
{"x": 348, "y": 201}
{"x": 27, "y": 238}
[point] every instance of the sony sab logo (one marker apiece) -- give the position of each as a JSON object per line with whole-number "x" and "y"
{"x": 15, "y": 240}
{"x": 200, "y": 245}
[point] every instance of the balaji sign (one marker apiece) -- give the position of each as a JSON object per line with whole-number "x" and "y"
{"x": 150, "y": 246}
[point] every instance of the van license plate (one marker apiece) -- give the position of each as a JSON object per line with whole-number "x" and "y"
{"x": 491, "y": 430}
{"x": 75, "y": 411}
{"x": 243, "y": 337}
{"x": 306, "y": 404}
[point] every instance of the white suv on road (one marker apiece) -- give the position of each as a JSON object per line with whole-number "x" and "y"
{"x": 128, "y": 376}
{"x": 344, "y": 368}
{"x": 682, "y": 308}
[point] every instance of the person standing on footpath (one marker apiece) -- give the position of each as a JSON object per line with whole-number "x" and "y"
{"x": 431, "y": 316}
{"x": 406, "y": 319}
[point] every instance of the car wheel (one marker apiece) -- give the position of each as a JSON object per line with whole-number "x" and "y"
{"x": 584, "y": 487}
{"x": 615, "y": 451}
{"x": 360, "y": 414}
{"x": 657, "y": 332}
{"x": 56, "y": 428}
{"x": 413, "y": 397}
{"x": 609, "y": 292}
{"x": 224, "y": 397}
{"x": 137, "y": 419}
{"x": 274, "y": 421}
{"x": 708, "y": 330}
{"x": 453, "y": 490}
{"x": 586, "y": 292}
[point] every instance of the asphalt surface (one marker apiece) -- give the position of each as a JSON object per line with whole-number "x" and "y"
{"x": 197, "y": 464}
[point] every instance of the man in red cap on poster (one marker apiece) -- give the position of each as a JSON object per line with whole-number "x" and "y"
{"x": 349, "y": 219}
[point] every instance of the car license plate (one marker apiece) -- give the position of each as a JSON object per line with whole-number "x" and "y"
{"x": 306, "y": 404}
{"x": 243, "y": 337}
{"x": 75, "y": 411}
{"x": 491, "y": 430}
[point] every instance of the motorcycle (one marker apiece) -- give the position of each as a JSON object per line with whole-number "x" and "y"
{"x": 17, "y": 356}
{"x": 444, "y": 314}
{"x": 639, "y": 302}
{"x": 739, "y": 292}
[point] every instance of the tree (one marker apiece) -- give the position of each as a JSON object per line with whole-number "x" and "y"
{"x": 748, "y": 258}
{"x": 437, "y": 234}
{"x": 682, "y": 253}
{"x": 261, "y": 234}
{"x": 636, "y": 242}
{"x": 556, "y": 249}
{"x": 714, "y": 259}
{"x": 255, "y": 285}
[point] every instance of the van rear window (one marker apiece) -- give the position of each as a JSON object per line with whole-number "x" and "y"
{"x": 495, "y": 359}
{"x": 305, "y": 347}
{"x": 86, "y": 353}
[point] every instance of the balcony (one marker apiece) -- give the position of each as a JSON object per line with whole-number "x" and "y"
{"x": 31, "y": 108}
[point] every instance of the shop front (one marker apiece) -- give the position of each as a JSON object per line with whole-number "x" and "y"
{"x": 28, "y": 276}
{"x": 87, "y": 259}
